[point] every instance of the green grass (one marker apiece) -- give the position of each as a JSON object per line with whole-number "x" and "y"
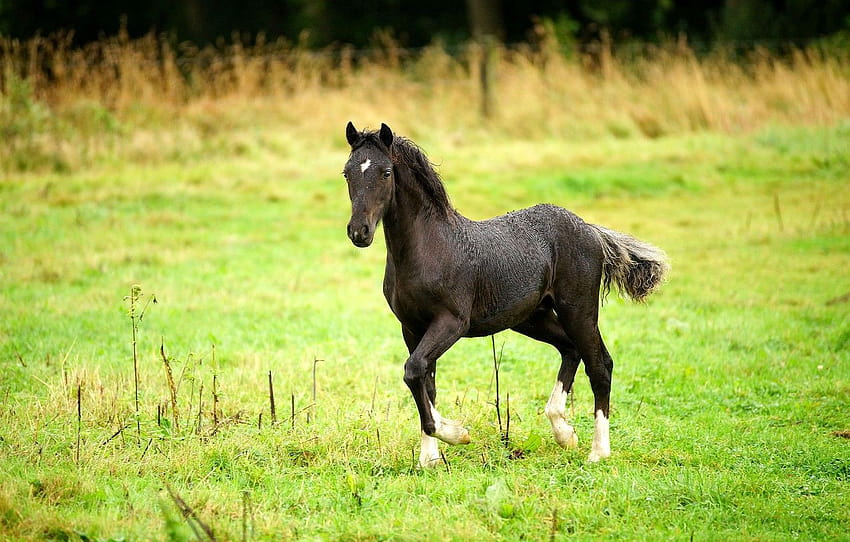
{"x": 730, "y": 385}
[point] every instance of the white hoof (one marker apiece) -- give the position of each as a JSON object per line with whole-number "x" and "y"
{"x": 565, "y": 434}
{"x": 452, "y": 432}
{"x": 601, "y": 447}
{"x": 449, "y": 431}
{"x": 596, "y": 456}
{"x": 427, "y": 461}
{"x": 429, "y": 455}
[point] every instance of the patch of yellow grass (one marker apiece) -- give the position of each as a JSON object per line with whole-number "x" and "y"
{"x": 147, "y": 98}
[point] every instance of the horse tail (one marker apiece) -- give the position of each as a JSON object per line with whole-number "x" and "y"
{"x": 634, "y": 267}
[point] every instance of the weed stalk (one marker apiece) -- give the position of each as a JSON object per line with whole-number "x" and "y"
{"x": 135, "y": 292}
{"x": 554, "y": 530}
{"x": 374, "y": 393}
{"x": 120, "y": 431}
{"x": 312, "y": 411}
{"x": 246, "y": 503}
{"x": 496, "y": 363}
{"x": 777, "y": 208}
{"x": 188, "y": 513}
{"x": 172, "y": 389}
{"x": 200, "y": 408}
{"x": 79, "y": 420}
{"x": 136, "y": 319}
{"x": 215, "y": 401}
{"x": 271, "y": 399}
{"x": 506, "y": 438}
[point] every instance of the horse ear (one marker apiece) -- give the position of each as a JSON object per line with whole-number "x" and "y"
{"x": 386, "y": 135}
{"x": 351, "y": 133}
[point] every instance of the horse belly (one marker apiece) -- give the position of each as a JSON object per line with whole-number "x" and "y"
{"x": 511, "y": 283}
{"x": 500, "y": 322}
{"x": 502, "y": 309}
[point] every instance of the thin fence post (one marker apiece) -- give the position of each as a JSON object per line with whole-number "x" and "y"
{"x": 488, "y": 75}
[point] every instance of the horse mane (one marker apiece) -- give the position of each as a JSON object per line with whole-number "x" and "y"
{"x": 405, "y": 152}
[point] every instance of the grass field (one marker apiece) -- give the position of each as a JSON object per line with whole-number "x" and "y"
{"x": 731, "y": 394}
{"x": 730, "y": 391}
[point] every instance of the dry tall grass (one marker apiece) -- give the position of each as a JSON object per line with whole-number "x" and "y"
{"x": 122, "y": 98}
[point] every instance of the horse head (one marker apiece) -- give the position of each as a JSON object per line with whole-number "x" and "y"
{"x": 370, "y": 177}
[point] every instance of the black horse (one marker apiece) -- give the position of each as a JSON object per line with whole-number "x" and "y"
{"x": 539, "y": 271}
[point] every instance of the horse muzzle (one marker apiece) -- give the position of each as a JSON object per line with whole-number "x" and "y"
{"x": 361, "y": 235}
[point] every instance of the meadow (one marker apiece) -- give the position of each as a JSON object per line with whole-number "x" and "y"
{"x": 173, "y": 254}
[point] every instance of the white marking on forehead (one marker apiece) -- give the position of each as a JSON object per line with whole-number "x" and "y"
{"x": 365, "y": 165}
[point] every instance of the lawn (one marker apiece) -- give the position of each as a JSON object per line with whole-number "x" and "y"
{"x": 731, "y": 393}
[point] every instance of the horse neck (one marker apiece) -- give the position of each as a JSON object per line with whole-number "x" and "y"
{"x": 413, "y": 219}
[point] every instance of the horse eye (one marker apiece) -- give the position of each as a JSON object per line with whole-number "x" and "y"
{"x": 344, "y": 174}
{"x": 387, "y": 173}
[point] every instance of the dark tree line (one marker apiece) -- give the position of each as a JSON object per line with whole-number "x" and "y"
{"x": 323, "y": 22}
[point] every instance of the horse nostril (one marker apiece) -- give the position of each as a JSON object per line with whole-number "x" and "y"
{"x": 348, "y": 230}
{"x": 364, "y": 231}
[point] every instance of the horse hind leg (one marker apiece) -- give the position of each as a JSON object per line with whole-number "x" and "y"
{"x": 601, "y": 446}
{"x": 565, "y": 434}
{"x": 581, "y": 326}
{"x": 545, "y": 327}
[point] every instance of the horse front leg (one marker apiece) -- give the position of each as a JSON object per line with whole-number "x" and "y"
{"x": 429, "y": 453}
{"x": 419, "y": 374}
